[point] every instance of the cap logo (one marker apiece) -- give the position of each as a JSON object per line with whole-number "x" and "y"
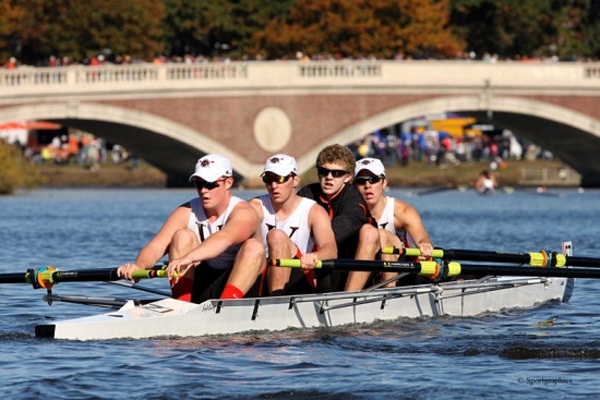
{"x": 275, "y": 160}
{"x": 365, "y": 162}
{"x": 205, "y": 163}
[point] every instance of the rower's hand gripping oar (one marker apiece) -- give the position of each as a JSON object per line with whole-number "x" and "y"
{"x": 431, "y": 269}
{"x": 536, "y": 259}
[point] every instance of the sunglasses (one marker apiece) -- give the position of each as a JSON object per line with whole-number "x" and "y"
{"x": 200, "y": 184}
{"x": 361, "y": 180}
{"x": 269, "y": 179}
{"x": 336, "y": 173}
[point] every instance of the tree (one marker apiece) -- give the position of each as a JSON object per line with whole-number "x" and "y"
{"x": 358, "y": 28}
{"x": 80, "y": 29}
{"x": 196, "y": 26}
{"x": 516, "y": 28}
{"x": 9, "y": 16}
{"x": 16, "y": 172}
{"x": 217, "y": 27}
{"x": 592, "y": 30}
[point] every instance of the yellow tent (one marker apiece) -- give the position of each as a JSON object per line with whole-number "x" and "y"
{"x": 454, "y": 126}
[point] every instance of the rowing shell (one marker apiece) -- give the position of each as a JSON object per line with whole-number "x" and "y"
{"x": 174, "y": 318}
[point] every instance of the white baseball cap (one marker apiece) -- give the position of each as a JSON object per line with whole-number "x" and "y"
{"x": 281, "y": 164}
{"x": 211, "y": 167}
{"x": 372, "y": 165}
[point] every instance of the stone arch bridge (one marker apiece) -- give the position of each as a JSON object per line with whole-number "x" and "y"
{"x": 170, "y": 115}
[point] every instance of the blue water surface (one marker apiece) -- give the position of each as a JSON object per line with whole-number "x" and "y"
{"x": 551, "y": 351}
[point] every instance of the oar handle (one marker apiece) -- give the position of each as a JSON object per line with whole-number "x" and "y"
{"x": 411, "y": 251}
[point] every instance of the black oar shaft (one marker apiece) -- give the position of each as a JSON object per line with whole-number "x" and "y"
{"x": 13, "y": 278}
{"x": 359, "y": 265}
{"x": 47, "y": 276}
{"x": 85, "y": 275}
{"x": 540, "y": 259}
{"x": 447, "y": 269}
{"x": 427, "y": 268}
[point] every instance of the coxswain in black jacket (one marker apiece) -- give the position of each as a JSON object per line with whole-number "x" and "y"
{"x": 348, "y": 212}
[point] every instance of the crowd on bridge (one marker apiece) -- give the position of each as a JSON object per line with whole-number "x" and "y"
{"x": 118, "y": 59}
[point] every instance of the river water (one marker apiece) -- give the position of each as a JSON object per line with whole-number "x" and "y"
{"x": 551, "y": 351}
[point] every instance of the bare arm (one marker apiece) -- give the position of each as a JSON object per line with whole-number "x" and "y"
{"x": 241, "y": 225}
{"x": 320, "y": 226}
{"x": 407, "y": 217}
{"x": 257, "y": 205}
{"x": 158, "y": 246}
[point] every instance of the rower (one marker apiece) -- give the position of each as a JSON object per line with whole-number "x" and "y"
{"x": 346, "y": 208}
{"x": 486, "y": 183}
{"x": 396, "y": 221}
{"x": 213, "y": 241}
{"x": 292, "y": 227}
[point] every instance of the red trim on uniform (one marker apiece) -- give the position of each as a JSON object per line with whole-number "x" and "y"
{"x": 366, "y": 213}
{"x": 182, "y": 289}
{"x": 328, "y": 204}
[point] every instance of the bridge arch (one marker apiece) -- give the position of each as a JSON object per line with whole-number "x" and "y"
{"x": 170, "y": 146}
{"x": 558, "y": 129}
{"x": 174, "y": 147}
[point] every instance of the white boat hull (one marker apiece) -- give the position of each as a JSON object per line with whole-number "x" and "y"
{"x": 174, "y": 318}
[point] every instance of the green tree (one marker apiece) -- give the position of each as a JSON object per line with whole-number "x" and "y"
{"x": 217, "y": 27}
{"x": 16, "y": 172}
{"x": 516, "y": 28}
{"x": 196, "y": 26}
{"x": 355, "y": 28}
{"x": 9, "y": 16}
{"x": 572, "y": 41}
{"x": 592, "y": 30}
{"x": 79, "y": 29}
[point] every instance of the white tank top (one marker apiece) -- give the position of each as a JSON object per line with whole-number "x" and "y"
{"x": 295, "y": 226}
{"x": 203, "y": 228}
{"x": 387, "y": 221}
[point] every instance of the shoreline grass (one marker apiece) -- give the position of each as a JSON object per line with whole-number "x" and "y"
{"x": 412, "y": 175}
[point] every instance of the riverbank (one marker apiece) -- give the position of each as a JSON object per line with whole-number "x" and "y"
{"x": 413, "y": 175}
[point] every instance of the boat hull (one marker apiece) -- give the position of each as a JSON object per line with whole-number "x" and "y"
{"x": 174, "y": 318}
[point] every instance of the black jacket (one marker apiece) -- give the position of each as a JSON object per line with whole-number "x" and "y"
{"x": 348, "y": 212}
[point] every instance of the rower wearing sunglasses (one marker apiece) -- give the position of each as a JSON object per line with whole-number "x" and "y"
{"x": 292, "y": 227}
{"x": 397, "y": 220}
{"x": 213, "y": 241}
{"x": 345, "y": 206}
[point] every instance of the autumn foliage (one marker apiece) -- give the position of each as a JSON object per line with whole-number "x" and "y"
{"x": 35, "y": 30}
{"x": 351, "y": 28}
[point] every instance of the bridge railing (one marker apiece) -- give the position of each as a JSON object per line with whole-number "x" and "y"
{"x": 568, "y": 78}
{"x": 343, "y": 69}
{"x": 43, "y": 79}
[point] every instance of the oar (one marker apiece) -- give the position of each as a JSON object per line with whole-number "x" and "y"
{"x": 539, "y": 259}
{"x": 446, "y": 269}
{"x": 431, "y": 269}
{"x": 45, "y": 277}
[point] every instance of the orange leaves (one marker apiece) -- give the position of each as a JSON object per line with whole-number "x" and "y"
{"x": 360, "y": 28}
